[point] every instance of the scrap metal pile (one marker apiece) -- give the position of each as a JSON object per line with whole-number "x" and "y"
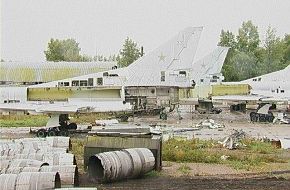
{"x": 36, "y": 163}
{"x": 233, "y": 141}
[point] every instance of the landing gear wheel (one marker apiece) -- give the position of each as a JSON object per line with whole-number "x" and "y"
{"x": 262, "y": 118}
{"x": 63, "y": 133}
{"x": 254, "y": 117}
{"x": 72, "y": 126}
{"x": 41, "y": 133}
{"x": 124, "y": 118}
{"x": 52, "y": 133}
{"x": 163, "y": 116}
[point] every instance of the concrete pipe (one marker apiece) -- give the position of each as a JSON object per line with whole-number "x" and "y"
{"x": 38, "y": 180}
{"x": 116, "y": 165}
{"x": 8, "y": 181}
{"x": 26, "y": 163}
{"x": 17, "y": 170}
{"x": 59, "y": 142}
{"x": 33, "y": 156}
{"x": 7, "y": 149}
{"x": 4, "y": 164}
{"x": 69, "y": 175}
{"x": 59, "y": 159}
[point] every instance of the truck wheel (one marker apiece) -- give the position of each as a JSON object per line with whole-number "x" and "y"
{"x": 41, "y": 133}
{"x": 253, "y": 117}
{"x": 72, "y": 126}
{"x": 52, "y": 132}
{"x": 63, "y": 133}
{"x": 163, "y": 116}
{"x": 124, "y": 118}
{"x": 262, "y": 118}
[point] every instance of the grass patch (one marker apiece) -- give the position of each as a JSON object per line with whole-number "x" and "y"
{"x": 41, "y": 120}
{"x": 259, "y": 147}
{"x": 153, "y": 173}
{"x": 184, "y": 169}
{"x": 78, "y": 151}
{"x": 254, "y": 155}
{"x": 23, "y": 120}
{"x": 90, "y": 117}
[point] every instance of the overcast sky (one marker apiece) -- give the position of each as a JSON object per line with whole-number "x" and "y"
{"x": 102, "y": 25}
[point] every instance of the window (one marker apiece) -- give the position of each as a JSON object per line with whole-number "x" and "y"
{"x": 162, "y": 76}
{"x": 282, "y": 91}
{"x": 100, "y": 81}
{"x": 182, "y": 73}
{"x": 66, "y": 84}
{"x": 201, "y": 80}
{"x": 83, "y": 83}
{"x": 60, "y": 83}
{"x": 90, "y": 82}
{"x": 113, "y": 75}
{"x": 254, "y": 79}
{"x": 105, "y": 74}
{"x": 259, "y": 79}
{"x": 75, "y": 83}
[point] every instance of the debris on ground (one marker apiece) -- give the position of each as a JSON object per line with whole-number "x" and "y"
{"x": 209, "y": 123}
{"x": 224, "y": 157}
{"x": 106, "y": 122}
{"x": 233, "y": 141}
{"x": 282, "y": 119}
{"x": 285, "y": 143}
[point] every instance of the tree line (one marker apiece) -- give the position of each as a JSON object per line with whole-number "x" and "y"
{"x": 250, "y": 57}
{"x": 69, "y": 50}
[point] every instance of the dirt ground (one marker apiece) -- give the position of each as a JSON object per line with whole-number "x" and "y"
{"x": 184, "y": 183}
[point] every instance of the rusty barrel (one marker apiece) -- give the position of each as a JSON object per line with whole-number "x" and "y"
{"x": 116, "y": 165}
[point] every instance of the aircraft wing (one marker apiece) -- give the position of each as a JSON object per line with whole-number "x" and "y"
{"x": 59, "y": 108}
{"x": 238, "y": 98}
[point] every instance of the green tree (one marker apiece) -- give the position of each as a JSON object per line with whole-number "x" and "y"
{"x": 286, "y": 57}
{"x": 129, "y": 53}
{"x": 248, "y": 37}
{"x": 63, "y": 50}
{"x": 274, "y": 51}
{"x": 227, "y": 39}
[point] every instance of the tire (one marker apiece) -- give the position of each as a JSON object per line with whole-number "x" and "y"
{"x": 72, "y": 126}
{"x": 52, "y": 133}
{"x": 262, "y": 118}
{"x": 253, "y": 117}
{"x": 163, "y": 116}
{"x": 41, "y": 133}
{"x": 124, "y": 118}
{"x": 63, "y": 133}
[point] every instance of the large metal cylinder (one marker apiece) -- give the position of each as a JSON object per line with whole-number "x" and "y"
{"x": 38, "y": 180}
{"x": 8, "y": 181}
{"x": 68, "y": 174}
{"x": 116, "y": 165}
